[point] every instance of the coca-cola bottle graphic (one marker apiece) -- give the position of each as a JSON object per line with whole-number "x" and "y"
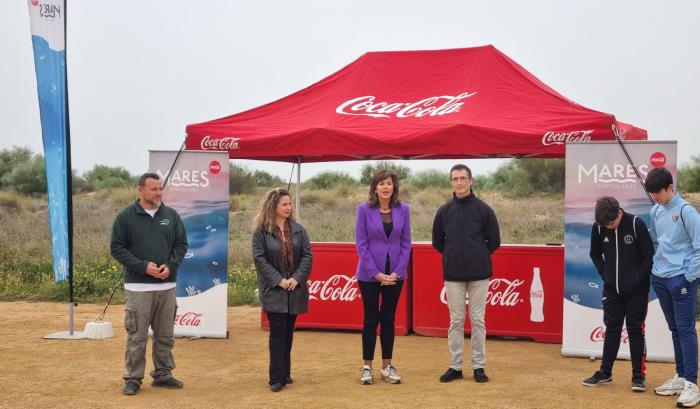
{"x": 536, "y": 297}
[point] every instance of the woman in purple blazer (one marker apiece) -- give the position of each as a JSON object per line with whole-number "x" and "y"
{"x": 383, "y": 242}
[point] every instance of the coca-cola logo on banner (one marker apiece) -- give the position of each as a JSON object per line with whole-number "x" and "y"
{"x": 560, "y": 138}
{"x": 431, "y": 106}
{"x": 657, "y": 159}
{"x": 598, "y": 335}
{"x": 226, "y": 143}
{"x": 189, "y": 319}
{"x": 502, "y": 292}
{"x": 338, "y": 287}
{"x": 214, "y": 167}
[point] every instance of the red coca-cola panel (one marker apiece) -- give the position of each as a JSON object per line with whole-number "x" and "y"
{"x": 334, "y": 297}
{"x": 514, "y": 306}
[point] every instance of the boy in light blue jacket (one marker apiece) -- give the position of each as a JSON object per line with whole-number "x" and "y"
{"x": 675, "y": 232}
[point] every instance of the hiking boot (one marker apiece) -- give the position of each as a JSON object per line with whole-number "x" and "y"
{"x": 638, "y": 384}
{"x": 131, "y": 388}
{"x": 389, "y": 374}
{"x": 450, "y": 375}
{"x": 171, "y": 383}
{"x": 598, "y": 378}
{"x": 480, "y": 375}
{"x": 367, "y": 376}
{"x": 689, "y": 397}
{"x": 276, "y": 387}
{"x": 673, "y": 386}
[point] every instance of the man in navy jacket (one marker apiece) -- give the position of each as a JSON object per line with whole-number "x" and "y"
{"x": 465, "y": 232}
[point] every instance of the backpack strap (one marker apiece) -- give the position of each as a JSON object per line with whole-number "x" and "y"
{"x": 681, "y": 212}
{"x": 634, "y": 226}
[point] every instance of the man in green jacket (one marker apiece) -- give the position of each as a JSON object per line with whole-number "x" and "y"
{"x": 149, "y": 240}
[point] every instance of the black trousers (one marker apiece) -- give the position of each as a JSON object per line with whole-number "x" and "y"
{"x": 376, "y": 314}
{"x": 631, "y": 309}
{"x": 281, "y": 335}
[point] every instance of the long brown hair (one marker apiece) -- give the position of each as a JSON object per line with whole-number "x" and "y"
{"x": 378, "y": 177}
{"x": 265, "y": 218}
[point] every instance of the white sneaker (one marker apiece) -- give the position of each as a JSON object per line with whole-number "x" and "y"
{"x": 389, "y": 374}
{"x": 367, "y": 376}
{"x": 690, "y": 396}
{"x": 673, "y": 386}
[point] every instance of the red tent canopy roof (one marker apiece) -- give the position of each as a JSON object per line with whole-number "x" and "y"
{"x": 458, "y": 103}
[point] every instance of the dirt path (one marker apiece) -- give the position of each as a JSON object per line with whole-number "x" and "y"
{"x": 37, "y": 373}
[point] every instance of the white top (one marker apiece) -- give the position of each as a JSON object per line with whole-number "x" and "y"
{"x": 143, "y": 287}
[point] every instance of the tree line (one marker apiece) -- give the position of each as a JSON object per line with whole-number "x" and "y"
{"x": 22, "y": 171}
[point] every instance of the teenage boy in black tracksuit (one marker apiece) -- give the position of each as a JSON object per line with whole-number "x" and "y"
{"x": 622, "y": 252}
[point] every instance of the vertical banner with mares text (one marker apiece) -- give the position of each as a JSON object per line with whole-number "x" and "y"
{"x": 595, "y": 169}
{"x": 197, "y": 188}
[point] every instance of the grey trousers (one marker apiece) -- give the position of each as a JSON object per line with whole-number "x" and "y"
{"x": 456, "y": 298}
{"x": 155, "y": 309}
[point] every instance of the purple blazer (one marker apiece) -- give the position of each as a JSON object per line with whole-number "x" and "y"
{"x": 373, "y": 245}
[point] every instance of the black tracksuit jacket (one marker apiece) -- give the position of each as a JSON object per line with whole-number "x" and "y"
{"x": 623, "y": 257}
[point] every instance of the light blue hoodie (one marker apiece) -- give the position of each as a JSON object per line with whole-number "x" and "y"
{"x": 676, "y": 240}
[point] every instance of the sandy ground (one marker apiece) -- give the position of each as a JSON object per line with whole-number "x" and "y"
{"x": 38, "y": 373}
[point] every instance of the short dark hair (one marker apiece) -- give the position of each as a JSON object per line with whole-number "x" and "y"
{"x": 461, "y": 166}
{"x": 378, "y": 177}
{"x": 607, "y": 209}
{"x": 147, "y": 175}
{"x": 657, "y": 180}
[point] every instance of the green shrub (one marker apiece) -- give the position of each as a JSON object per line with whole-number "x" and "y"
{"x": 689, "y": 176}
{"x": 265, "y": 179}
{"x": 370, "y": 169}
{"x": 28, "y": 177}
{"x": 11, "y": 158}
{"x": 240, "y": 179}
{"x": 108, "y": 177}
{"x": 523, "y": 177}
{"x": 330, "y": 179}
{"x": 430, "y": 178}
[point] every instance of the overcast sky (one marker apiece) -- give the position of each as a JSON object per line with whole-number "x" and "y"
{"x": 140, "y": 71}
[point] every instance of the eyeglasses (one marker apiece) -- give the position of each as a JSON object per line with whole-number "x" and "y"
{"x": 459, "y": 179}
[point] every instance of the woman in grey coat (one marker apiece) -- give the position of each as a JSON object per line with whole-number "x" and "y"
{"x": 282, "y": 255}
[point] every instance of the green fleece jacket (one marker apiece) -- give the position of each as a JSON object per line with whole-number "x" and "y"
{"x": 137, "y": 238}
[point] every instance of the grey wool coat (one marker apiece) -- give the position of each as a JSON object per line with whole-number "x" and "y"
{"x": 268, "y": 264}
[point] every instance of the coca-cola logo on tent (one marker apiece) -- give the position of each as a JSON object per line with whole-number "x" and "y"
{"x": 226, "y": 143}
{"x": 431, "y": 106}
{"x": 562, "y": 137}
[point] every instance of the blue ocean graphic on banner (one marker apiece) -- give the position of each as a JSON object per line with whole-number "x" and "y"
{"x": 205, "y": 263}
{"x": 48, "y": 40}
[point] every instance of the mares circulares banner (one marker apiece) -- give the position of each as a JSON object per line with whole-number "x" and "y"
{"x": 596, "y": 169}
{"x": 197, "y": 188}
{"x": 47, "y": 19}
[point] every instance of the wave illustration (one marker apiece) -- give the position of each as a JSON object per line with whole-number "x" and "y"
{"x": 620, "y": 181}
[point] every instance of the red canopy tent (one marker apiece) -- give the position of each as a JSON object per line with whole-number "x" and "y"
{"x": 458, "y": 103}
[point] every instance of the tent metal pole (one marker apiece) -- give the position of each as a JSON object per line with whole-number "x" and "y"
{"x": 298, "y": 188}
